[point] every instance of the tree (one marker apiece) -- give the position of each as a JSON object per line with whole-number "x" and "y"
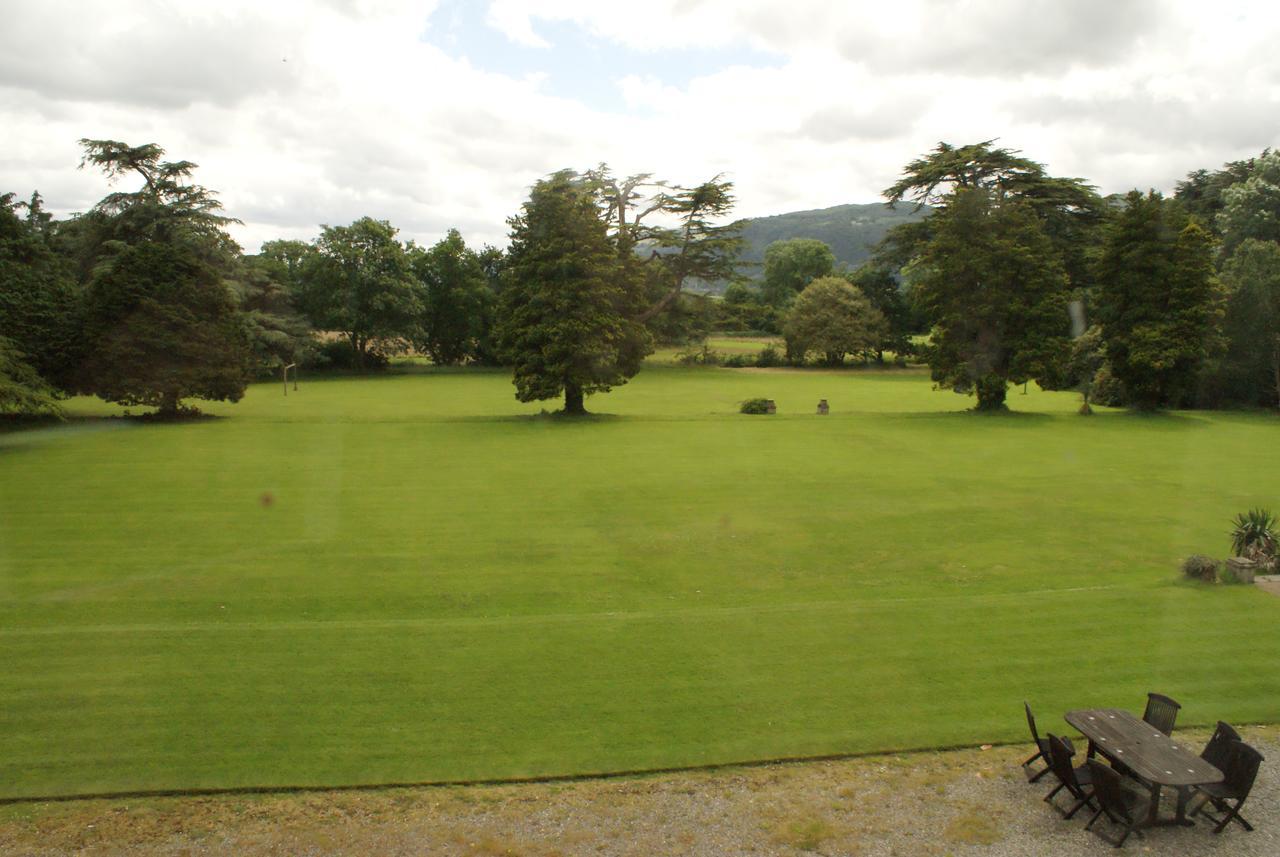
{"x": 39, "y": 300}
{"x": 1251, "y": 208}
{"x": 570, "y": 305}
{"x": 1201, "y": 191}
{"x": 880, "y": 286}
{"x": 457, "y": 300}
{"x": 160, "y": 324}
{"x": 278, "y": 334}
{"x": 791, "y": 265}
{"x": 358, "y": 282}
{"x": 834, "y": 318}
{"x": 1069, "y": 210}
{"x": 1252, "y": 325}
{"x": 995, "y": 291}
{"x": 163, "y": 327}
{"x": 665, "y": 258}
{"x": 1157, "y": 299}
{"x": 22, "y": 391}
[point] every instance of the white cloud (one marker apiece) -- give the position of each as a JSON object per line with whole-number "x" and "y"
{"x": 307, "y": 113}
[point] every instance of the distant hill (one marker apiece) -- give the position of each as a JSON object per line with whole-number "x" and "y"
{"x": 850, "y": 230}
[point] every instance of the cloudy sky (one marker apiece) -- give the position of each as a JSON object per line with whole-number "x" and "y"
{"x": 441, "y": 114}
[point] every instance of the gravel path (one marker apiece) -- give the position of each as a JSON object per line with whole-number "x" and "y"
{"x": 953, "y": 803}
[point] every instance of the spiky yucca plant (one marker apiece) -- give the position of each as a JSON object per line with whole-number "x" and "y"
{"x": 1254, "y": 535}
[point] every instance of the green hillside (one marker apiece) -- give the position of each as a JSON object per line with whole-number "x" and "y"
{"x": 850, "y": 230}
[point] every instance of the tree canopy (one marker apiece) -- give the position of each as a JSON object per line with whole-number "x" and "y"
{"x": 791, "y": 265}
{"x": 1157, "y": 299}
{"x": 357, "y": 282}
{"x": 833, "y": 318}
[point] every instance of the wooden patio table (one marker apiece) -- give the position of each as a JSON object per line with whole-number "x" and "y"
{"x": 1149, "y": 753}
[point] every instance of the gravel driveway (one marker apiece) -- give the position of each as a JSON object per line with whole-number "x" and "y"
{"x": 952, "y": 803}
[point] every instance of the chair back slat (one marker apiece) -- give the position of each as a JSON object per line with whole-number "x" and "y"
{"x": 1031, "y": 721}
{"x": 1060, "y": 761}
{"x": 1161, "y": 712}
{"x": 1218, "y": 751}
{"x": 1242, "y": 769}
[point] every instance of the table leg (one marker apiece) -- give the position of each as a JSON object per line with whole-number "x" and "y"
{"x": 1153, "y": 812}
{"x": 1093, "y": 751}
{"x": 1183, "y": 795}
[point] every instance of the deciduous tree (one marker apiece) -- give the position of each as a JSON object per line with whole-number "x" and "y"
{"x": 833, "y": 318}
{"x": 358, "y": 282}
{"x": 458, "y": 304}
{"x": 791, "y": 265}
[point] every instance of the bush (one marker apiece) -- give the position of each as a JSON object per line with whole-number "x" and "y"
{"x": 699, "y": 356}
{"x": 1200, "y": 567}
{"x": 755, "y": 406}
{"x": 338, "y": 354}
{"x": 1106, "y": 389}
{"x": 739, "y": 361}
{"x": 769, "y": 357}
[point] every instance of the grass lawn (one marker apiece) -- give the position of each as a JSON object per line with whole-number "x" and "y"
{"x": 447, "y": 586}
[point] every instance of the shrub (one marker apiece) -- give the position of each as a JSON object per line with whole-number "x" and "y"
{"x": 1200, "y": 567}
{"x": 769, "y": 357}
{"x": 739, "y": 361}
{"x": 338, "y": 354}
{"x": 755, "y": 406}
{"x": 1106, "y": 389}
{"x": 699, "y": 356}
{"x": 1254, "y": 536}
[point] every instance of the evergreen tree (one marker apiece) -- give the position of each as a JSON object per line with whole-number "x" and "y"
{"x": 569, "y": 303}
{"x": 160, "y": 320}
{"x": 22, "y": 391}
{"x": 995, "y": 291}
{"x": 1157, "y": 300}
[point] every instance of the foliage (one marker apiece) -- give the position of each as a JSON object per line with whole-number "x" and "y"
{"x": 685, "y": 246}
{"x": 1251, "y": 208}
{"x": 278, "y": 334}
{"x": 338, "y": 354}
{"x": 1200, "y": 567}
{"x": 739, "y": 361}
{"x": 459, "y": 306}
{"x": 570, "y": 307}
{"x": 1249, "y": 371}
{"x": 22, "y": 391}
{"x": 161, "y": 326}
{"x": 882, "y": 288}
{"x": 1253, "y": 534}
{"x": 1068, "y": 208}
{"x": 769, "y": 358}
{"x": 1201, "y": 191}
{"x": 160, "y": 322}
{"x": 833, "y": 318}
{"x": 1157, "y": 300}
{"x": 39, "y": 300}
{"x": 358, "y": 282}
{"x": 754, "y": 406}
{"x": 700, "y": 355}
{"x": 995, "y": 292}
{"x": 790, "y": 266}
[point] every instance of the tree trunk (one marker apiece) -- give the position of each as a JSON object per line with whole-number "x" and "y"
{"x": 358, "y": 346}
{"x": 991, "y": 392}
{"x": 169, "y": 405}
{"x": 1275, "y": 368}
{"x": 573, "y": 405}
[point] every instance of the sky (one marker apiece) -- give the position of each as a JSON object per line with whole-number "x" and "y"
{"x": 439, "y": 115}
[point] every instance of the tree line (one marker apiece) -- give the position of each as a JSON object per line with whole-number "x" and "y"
{"x": 1016, "y": 276}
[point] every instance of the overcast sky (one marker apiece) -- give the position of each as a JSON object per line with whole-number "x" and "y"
{"x": 441, "y": 114}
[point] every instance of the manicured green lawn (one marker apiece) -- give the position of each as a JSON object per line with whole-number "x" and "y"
{"x": 447, "y": 586}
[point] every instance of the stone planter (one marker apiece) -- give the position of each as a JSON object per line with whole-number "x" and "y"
{"x": 823, "y": 407}
{"x": 1242, "y": 569}
{"x": 772, "y": 408}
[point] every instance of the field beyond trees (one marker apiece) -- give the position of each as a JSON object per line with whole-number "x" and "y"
{"x": 414, "y": 578}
